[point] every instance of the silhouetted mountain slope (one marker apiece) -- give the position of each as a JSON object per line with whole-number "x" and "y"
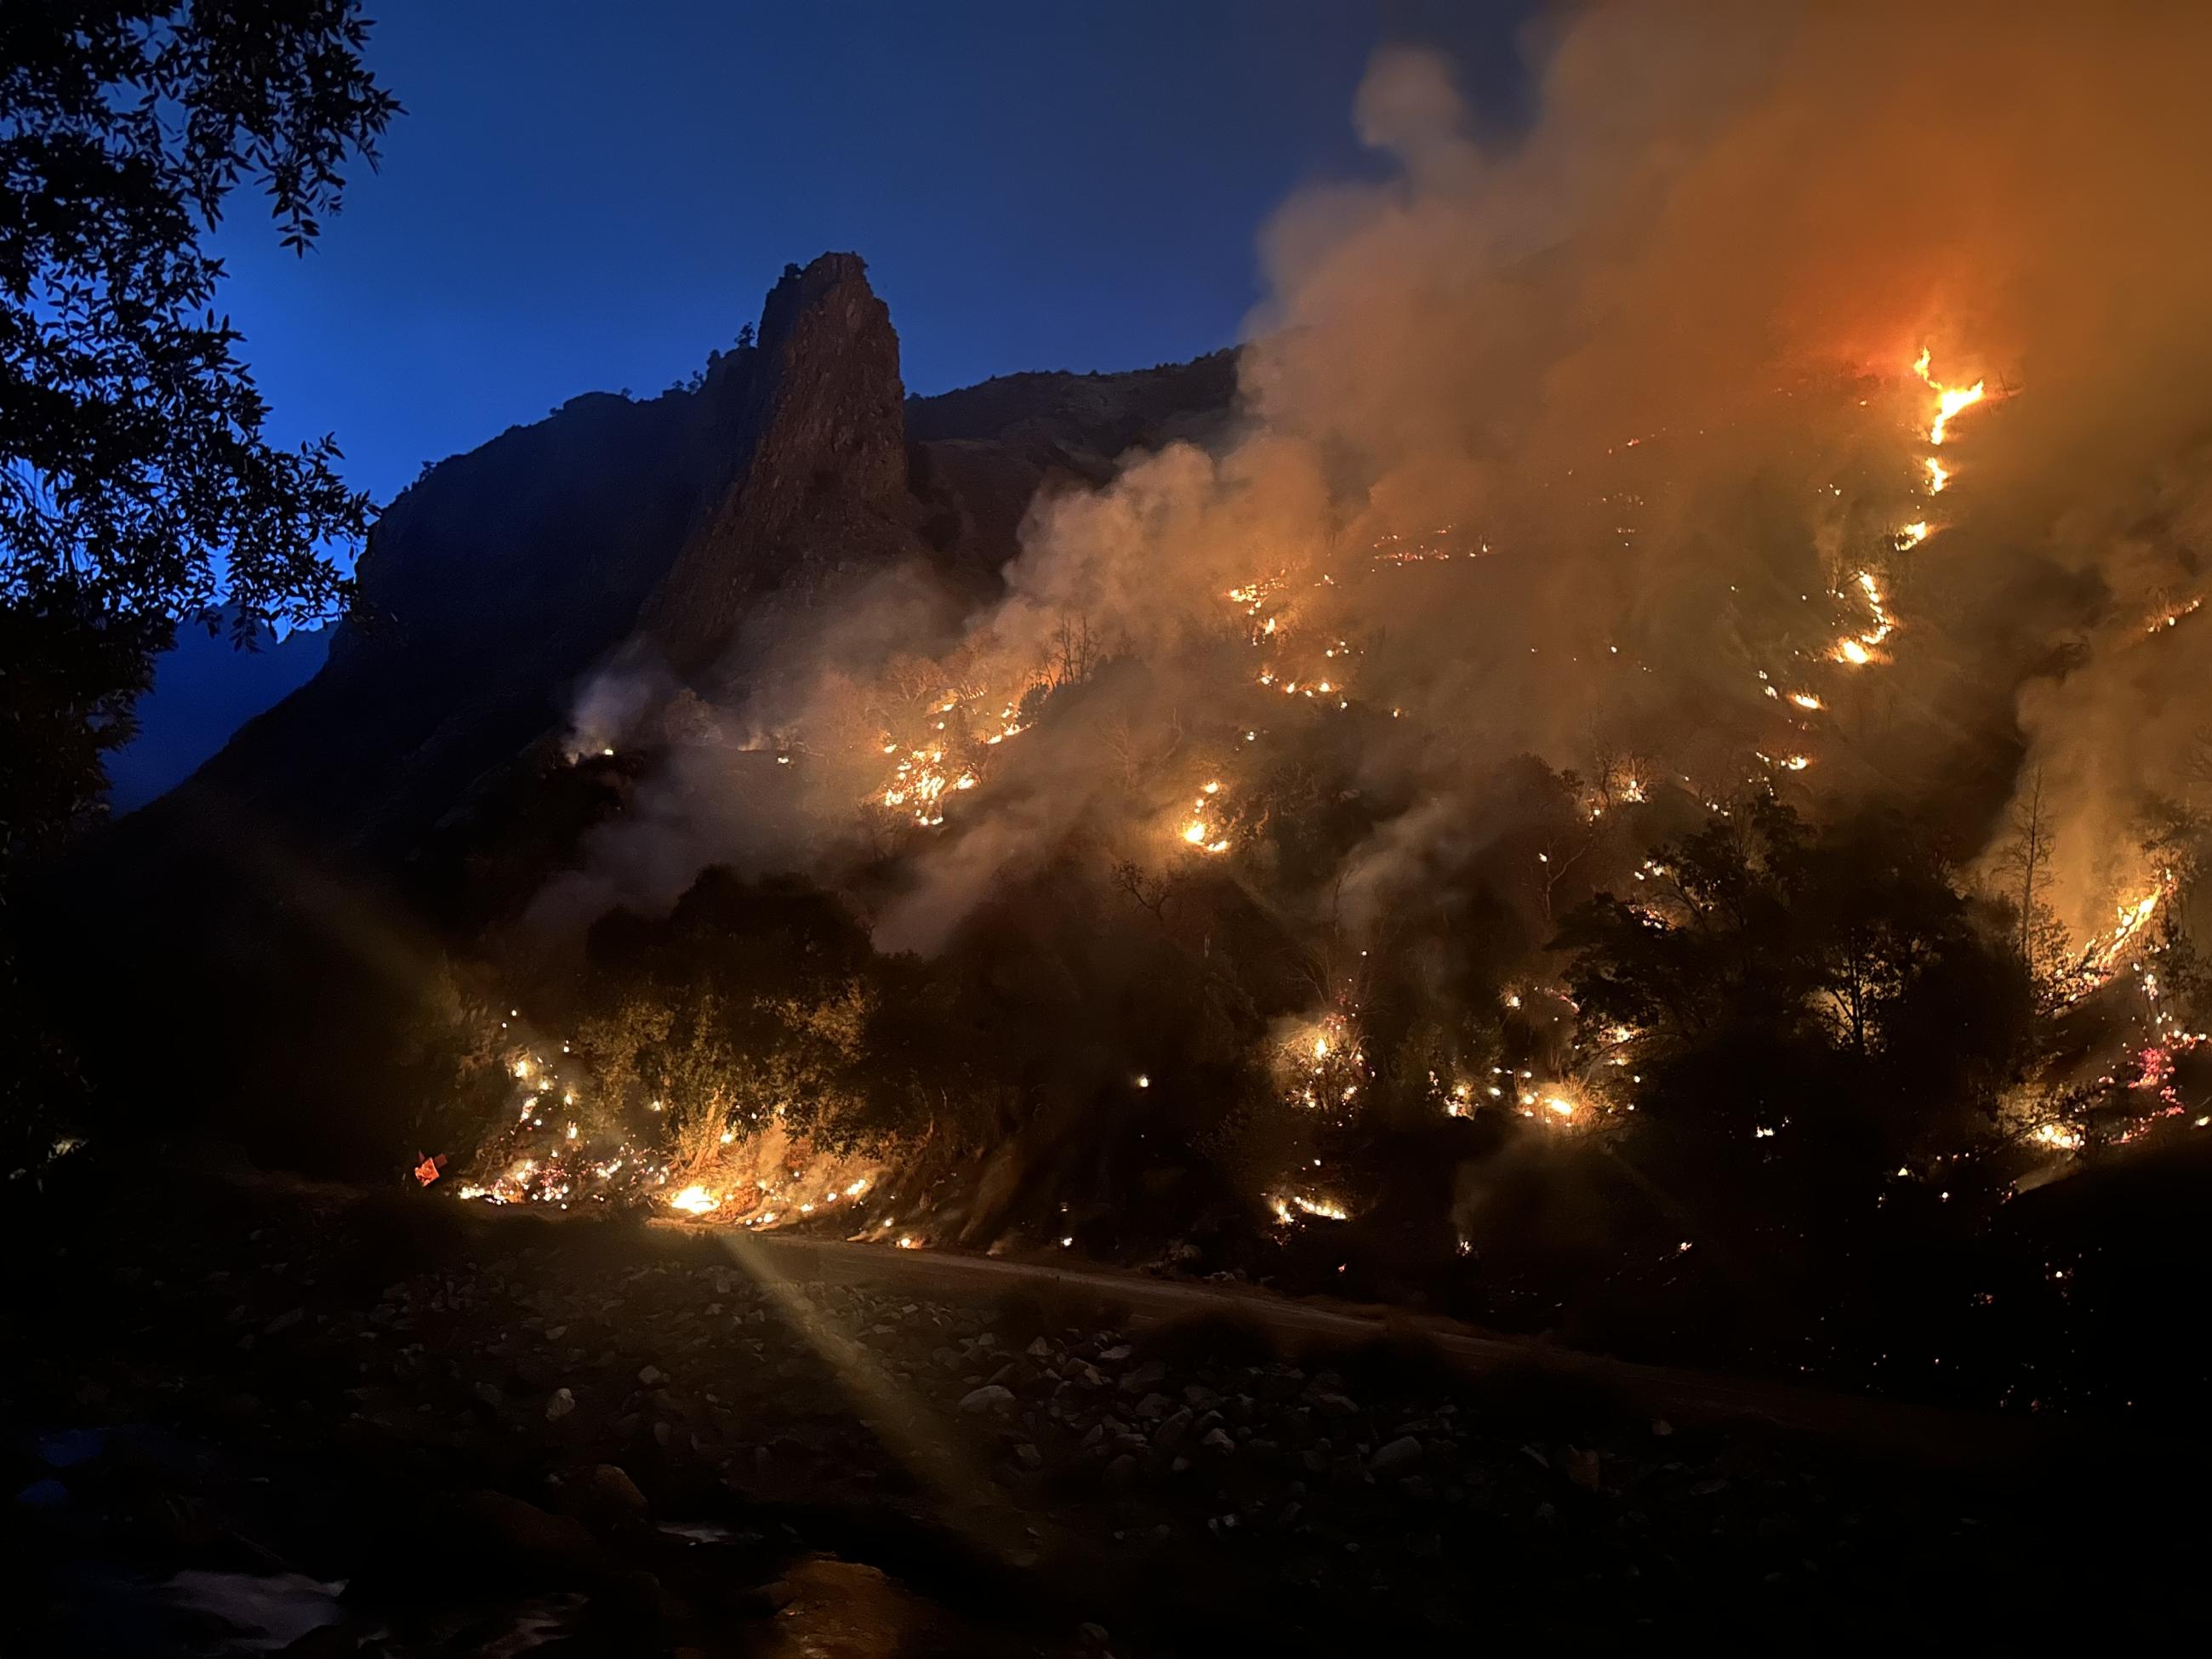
{"x": 1083, "y": 422}
{"x": 204, "y": 689}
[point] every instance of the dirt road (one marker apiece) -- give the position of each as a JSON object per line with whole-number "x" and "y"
{"x": 1892, "y": 1426}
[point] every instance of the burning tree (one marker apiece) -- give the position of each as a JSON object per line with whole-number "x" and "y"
{"x": 2024, "y": 857}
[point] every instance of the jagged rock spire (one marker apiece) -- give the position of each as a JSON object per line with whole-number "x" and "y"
{"x": 812, "y": 422}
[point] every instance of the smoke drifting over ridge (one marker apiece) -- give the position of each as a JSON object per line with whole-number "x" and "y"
{"x": 1605, "y": 439}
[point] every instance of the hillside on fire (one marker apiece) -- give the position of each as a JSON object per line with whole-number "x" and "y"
{"x": 1633, "y": 764}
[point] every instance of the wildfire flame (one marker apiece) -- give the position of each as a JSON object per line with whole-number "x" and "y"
{"x": 2102, "y": 957}
{"x": 1858, "y": 650}
{"x": 1288, "y": 1210}
{"x": 1950, "y": 400}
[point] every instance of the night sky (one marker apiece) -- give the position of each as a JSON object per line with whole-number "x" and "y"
{"x": 585, "y": 198}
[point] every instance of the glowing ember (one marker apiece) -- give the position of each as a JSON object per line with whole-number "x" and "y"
{"x": 2173, "y": 618}
{"x": 693, "y": 1200}
{"x": 1290, "y": 1210}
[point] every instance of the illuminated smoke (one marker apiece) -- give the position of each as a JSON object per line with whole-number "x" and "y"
{"x": 1823, "y": 384}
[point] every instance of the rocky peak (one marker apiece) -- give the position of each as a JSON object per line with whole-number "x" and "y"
{"x": 811, "y": 420}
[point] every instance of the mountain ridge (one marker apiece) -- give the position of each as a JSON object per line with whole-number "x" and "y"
{"x": 495, "y": 582}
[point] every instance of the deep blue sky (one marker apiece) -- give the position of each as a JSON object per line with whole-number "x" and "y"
{"x": 588, "y": 196}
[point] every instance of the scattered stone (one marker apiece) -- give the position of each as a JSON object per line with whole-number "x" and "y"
{"x": 516, "y": 1539}
{"x": 652, "y": 1376}
{"x": 1029, "y": 1456}
{"x": 323, "y": 1642}
{"x": 1144, "y": 1379}
{"x": 560, "y": 1404}
{"x": 1584, "y": 1470}
{"x": 992, "y": 1396}
{"x": 1400, "y": 1454}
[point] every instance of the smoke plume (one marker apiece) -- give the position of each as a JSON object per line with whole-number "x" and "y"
{"x": 1603, "y": 441}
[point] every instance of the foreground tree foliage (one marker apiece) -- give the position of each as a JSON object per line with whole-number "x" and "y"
{"x": 136, "y": 488}
{"x": 1822, "y": 1011}
{"x": 1832, "y": 988}
{"x": 131, "y": 455}
{"x": 753, "y": 1003}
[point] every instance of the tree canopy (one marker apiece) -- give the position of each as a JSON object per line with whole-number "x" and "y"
{"x": 133, "y": 469}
